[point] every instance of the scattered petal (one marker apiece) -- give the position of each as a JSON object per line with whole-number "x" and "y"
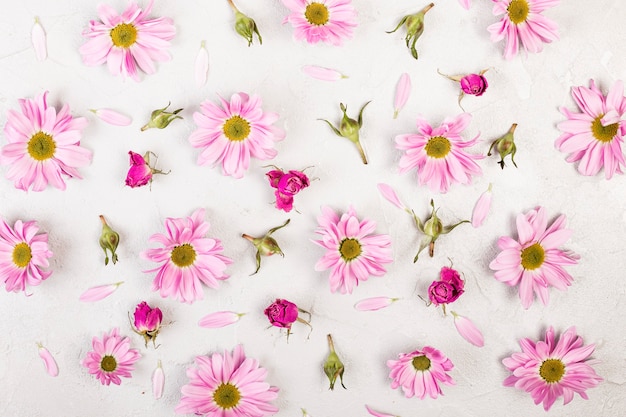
{"x": 99, "y": 292}
{"x": 481, "y": 209}
{"x": 466, "y": 4}
{"x": 38, "y": 36}
{"x": 202, "y": 65}
{"x": 220, "y": 319}
{"x": 378, "y": 414}
{"x": 112, "y": 117}
{"x": 158, "y": 381}
{"x": 322, "y": 73}
{"x": 374, "y": 303}
{"x": 48, "y": 361}
{"x": 468, "y": 330}
{"x": 389, "y": 193}
{"x": 403, "y": 91}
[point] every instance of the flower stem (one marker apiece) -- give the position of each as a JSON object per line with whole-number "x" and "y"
{"x": 331, "y": 345}
{"x": 361, "y": 151}
{"x": 232, "y": 5}
{"x": 104, "y": 222}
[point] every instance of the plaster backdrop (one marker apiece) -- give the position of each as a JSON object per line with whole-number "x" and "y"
{"x": 527, "y": 90}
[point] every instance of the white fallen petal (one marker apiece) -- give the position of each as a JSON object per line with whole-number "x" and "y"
{"x": 403, "y": 91}
{"x": 99, "y": 292}
{"x": 48, "y": 361}
{"x": 374, "y": 303}
{"x": 481, "y": 208}
{"x": 322, "y": 73}
{"x": 219, "y": 319}
{"x": 112, "y": 117}
{"x": 377, "y": 413}
{"x": 389, "y": 194}
{"x": 158, "y": 381}
{"x": 202, "y": 65}
{"x": 38, "y": 37}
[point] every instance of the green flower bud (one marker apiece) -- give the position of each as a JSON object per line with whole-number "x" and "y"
{"x": 414, "y": 28}
{"x": 505, "y": 146}
{"x": 265, "y": 245}
{"x": 349, "y": 128}
{"x": 333, "y": 367}
{"x": 109, "y": 239}
{"x": 432, "y": 229}
{"x": 160, "y": 118}
{"x": 246, "y": 27}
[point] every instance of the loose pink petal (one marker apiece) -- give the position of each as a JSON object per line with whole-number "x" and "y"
{"x": 112, "y": 117}
{"x": 158, "y": 381}
{"x": 99, "y": 292}
{"x": 403, "y": 91}
{"x": 202, "y": 65}
{"x": 468, "y": 330}
{"x": 219, "y": 319}
{"x": 38, "y": 36}
{"x": 377, "y": 413}
{"x": 481, "y": 208}
{"x": 389, "y": 193}
{"x": 322, "y": 73}
{"x": 375, "y": 303}
{"x": 48, "y": 361}
{"x": 466, "y": 4}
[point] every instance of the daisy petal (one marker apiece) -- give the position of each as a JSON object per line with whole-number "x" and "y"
{"x": 38, "y": 37}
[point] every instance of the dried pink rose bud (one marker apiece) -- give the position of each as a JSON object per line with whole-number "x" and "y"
{"x": 283, "y": 313}
{"x": 448, "y": 289}
{"x": 474, "y": 84}
{"x": 147, "y": 321}
{"x": 287, "y": 185}
{"x": 140, "y": 172}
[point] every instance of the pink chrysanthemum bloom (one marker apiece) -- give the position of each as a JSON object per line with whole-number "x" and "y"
{"x": 595, "y": 135}
{"x": 227, "y": 385}
{"x": 419, "y": 373}
{"x": 111, "y": 358}
{"x": 534, "y": 260}
{"x": 523, "y": 21}
{"x": 188, "y": 259}
{"x": 549, "y": 370}
{"x": 127, "y": 41}
{"x": 329, "y": 21}
{"x": 234, "y": 132}
{"x": 43, "y": 144}
{"x": 353, "y": 253}
{"x": 438, "y": 154}
{"x": 23, "y": 254}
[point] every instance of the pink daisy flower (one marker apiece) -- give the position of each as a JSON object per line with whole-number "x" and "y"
{"x": 595, "y": 135}
{"x": 353, "y": 253}
{"x": 534, "y": 260}
{"x": 227, "y": 385}
{"x": 234, "y": 132}
{"x": 549, "y": 370}
{"x": 23, "y": 254}
{"x": 111, "y": 358}
{"x": 127, "y": 41}
{"x": 329, "y": 21}
{"x": 420, "y": 372}
{"x": 523, "y": 21}
{"x": 438, "y": 154}
{"x": 187, "y": 259}
{"x": 43, "y": 144}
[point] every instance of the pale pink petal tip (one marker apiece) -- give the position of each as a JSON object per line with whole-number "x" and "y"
{"x": 374, "y": 303}
{"x": 389, "y": 193}
{"x": 466, "y": 4}
{"x": 48, "y": 360}
{"x": 202, "y": 65}
{"x": 100, "y": 292}
{"x": 38, "y": 36}
{"x": 158, "y": 381}
{"x": 403, "y": 90}
{"x": 220, "y": 319}
{"x": 322, "y": 73}
{"x": 468, "y": 330}
{"x": 481, "y": 208}
{"x": 112, "y": 117}
{"x": 377, "y": 413}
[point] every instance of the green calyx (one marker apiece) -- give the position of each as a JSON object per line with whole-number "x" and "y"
{"x": 349, "y": 128}
{"x": 109, "y": 239}
{"x": 505, "y": 145}
{"x": 265, "y": 245}
{"x": 432, "y": 229}
{"x": 333, "y": 367}
{"x": 414, "y": 28}
{"x": 160, "y": 118}
{"x": 247, "y": 27}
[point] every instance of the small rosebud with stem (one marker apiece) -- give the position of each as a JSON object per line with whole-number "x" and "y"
{"x": 160, "y": 118}
{"x": 505, "y": 146}
{"x": 244, "y": 25}
{"x": 333, "y": 367}
{"x": 349, "y": 128}
{"x": 109, "y": 239}
{"x": 265, "y": 245}
{"x": 414, "y": 28}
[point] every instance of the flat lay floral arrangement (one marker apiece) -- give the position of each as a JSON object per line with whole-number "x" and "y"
{"x": 315, "y": 208}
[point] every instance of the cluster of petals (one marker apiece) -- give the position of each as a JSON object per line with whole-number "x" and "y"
{"x": 353, "y": 252}
{"x": 328, "y": 21}
{"x": 421, "y": 382}
{"x": 111, "y": 358}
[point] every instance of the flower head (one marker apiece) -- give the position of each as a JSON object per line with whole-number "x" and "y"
{"x": 187, "y": 259}
{"x": 333, "y": 367}
{"x": 43, "y": 145}
{"x": 109, "y": 239}
{"x": 534, "y": 260}
{"x": 328, "y": 21}
{"x": 23, "y": 255}
{"x": 282, "y": 313}
{"x": 594, "y": 137}
{"x": 140, "y": 172}
{"x": 505, "y": 145}
{"x": 111, "y": 358}
{"x": 439, "y": 154}
{"x": 353, "y": 252}
{"x": 523, "y": 22}
{"x": 420, "y": 372}
{"x": 147, "y": 322}
{"x": 414, "y": 28}
{"x": 227, "y": 385}
{"x": 447, "y": 289}
{"x": 549, "y": 368}
{"x": 287, "y": 185}
{"x": 234, "y": 132}
{"x": 265, "y": 245}
{"x": 349, "y": 128}
{"x": 127, "y": 41}
{"x": 472, "y": 84}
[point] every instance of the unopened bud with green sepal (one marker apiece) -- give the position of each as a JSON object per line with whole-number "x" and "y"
{"x": 505, "y": 146}
{"x": 349, "y": 128}
{"x": 160, "y": 118}
{"x": 265, "y": 245}
{"x": 333, "y": 367}
{"x": 109, "y": 239}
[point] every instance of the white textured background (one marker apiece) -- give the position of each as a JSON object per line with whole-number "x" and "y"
{"x": 527, "y": 90}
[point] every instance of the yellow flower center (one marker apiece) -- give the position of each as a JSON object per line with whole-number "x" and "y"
{"x": 41, "y": 146}
{"x": 316, "y": 14}
{"x": 437, "y": 147}
{"x": 350, "y": 249}
{"x": 183, "y": 255}
{"x": 518, "y": 11}
{"x": 22, "y": 255}
{"x": 603, "y": 133}
{"x": 236, "y": 128}
{"x": 108, "y": 363}
{"x": 124, "y": 35}
{"x": 533, "y": 257}
{"x": 226, "y": 396}
{"x": 421, "y": 363}
{"x": 552, "y": 370}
